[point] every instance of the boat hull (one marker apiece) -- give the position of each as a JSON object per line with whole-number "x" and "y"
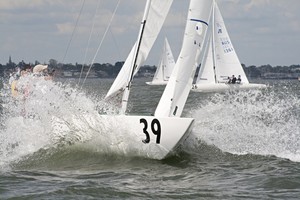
{"x": 157, "y": 137}
{"x": 157, "y": 83}
{"x": 221, "y": 87}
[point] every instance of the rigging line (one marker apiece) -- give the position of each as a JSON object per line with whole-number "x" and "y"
{"x": 89, "y": 40}
{"x": 107, "y": 28}
{"x": 115, "y": 41}
{"x": 78, "y": 17}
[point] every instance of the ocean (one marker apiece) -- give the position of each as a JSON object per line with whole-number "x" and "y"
{"x": 244, "y": 145}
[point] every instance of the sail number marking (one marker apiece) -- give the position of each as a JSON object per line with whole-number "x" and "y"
{"x": 155, "y": 128}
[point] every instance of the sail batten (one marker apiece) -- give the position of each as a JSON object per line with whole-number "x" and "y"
{"x": 199, "y": 20}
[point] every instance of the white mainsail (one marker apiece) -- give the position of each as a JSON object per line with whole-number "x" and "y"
{"x": 226, "y": 60}
{"x": 156, "y": 16}
{"x": 165, "y": 66}
{"x": 177, "y": 90}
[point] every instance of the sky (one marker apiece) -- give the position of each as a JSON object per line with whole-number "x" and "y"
{"x": 262, "y": 31}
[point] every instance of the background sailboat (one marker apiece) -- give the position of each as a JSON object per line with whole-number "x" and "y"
{"x": 165, "y": 66}
{"x": 220, "y": 61}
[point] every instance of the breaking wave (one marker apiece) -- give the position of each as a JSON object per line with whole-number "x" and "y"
{"x": 53, "y": 116}
{"x": 261, "y": 122}
{"x": 57, "y": 119}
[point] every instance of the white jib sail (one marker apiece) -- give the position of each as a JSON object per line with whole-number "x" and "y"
{"x": 177, "y": 90}
{"x": 166, "y": 64}
{"x": 156, "y": 17}
{"x": 206, "y": 74}
{"x": 227, "y": 61}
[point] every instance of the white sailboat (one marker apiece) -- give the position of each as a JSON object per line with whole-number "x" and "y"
{"x": 165, "y": 66}
{"x": 220, "y": 61}
{"x": 159, "y": 135}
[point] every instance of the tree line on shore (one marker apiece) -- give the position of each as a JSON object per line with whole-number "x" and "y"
{"x": 107, "y": 70}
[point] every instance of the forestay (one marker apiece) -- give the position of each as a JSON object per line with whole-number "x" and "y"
{"x": 156, "y": 17}
{"x": 177, "y": 90}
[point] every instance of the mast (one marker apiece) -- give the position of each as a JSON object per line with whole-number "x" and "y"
{"x": 133, "y": 66}
{"x": 213, "y": 41}
{"x": 164, "y": 61}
